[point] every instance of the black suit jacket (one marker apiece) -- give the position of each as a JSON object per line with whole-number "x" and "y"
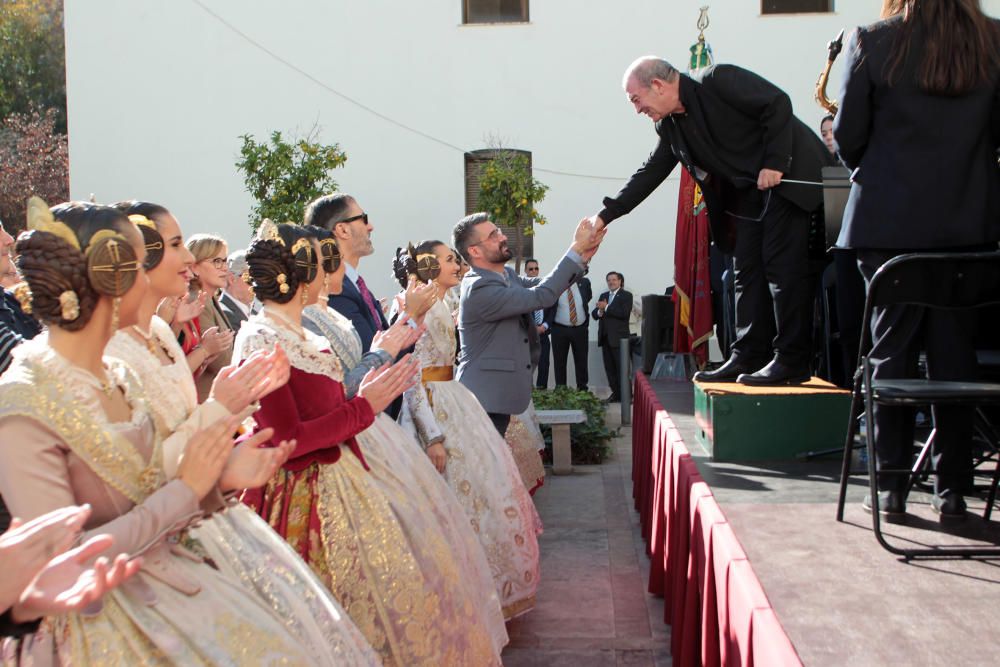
{"x": 735, "y": 124}
{"x": 925, "y": 167}
{"x": 232, "y": 311}
{"x": 586, "y": 293}
{"x": 350, "y": 304}
{"x": 613, "y": 325}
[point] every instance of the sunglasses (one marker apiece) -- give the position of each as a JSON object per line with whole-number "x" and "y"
{"x": 363, "y": 216}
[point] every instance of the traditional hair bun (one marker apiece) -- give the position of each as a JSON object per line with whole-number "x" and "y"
{"x": 267, "y": 260}
{"x": 52, "y": 267}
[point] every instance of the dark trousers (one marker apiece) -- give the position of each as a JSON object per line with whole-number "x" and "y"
{"x": 849, "y": 293}
{"x": 564, "y": 338}
{"x": 773, "y": 297}
{"x": 611, "y": 368}
{"x": 542, "y": 379}
{"x": 899, "y": 332}
{"x": 500, "y": 422}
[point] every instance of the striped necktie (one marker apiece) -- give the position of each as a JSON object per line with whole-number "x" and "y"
{"x": 572, "y": 306}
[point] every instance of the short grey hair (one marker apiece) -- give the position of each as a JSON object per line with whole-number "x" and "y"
{"x": 647, "y": 68}
{"x": 462, "y": 234}
{"x": 237, "y": 262}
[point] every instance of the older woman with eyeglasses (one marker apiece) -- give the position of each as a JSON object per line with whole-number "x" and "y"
{"x": 211, "y": 274}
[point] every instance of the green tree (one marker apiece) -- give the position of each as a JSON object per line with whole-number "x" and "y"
{"x": 33, "y": 58}
{"x": 283, "y": 176}
{"x": 510, "y": 194}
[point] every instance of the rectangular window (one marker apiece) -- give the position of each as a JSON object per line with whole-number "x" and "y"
{"x": 795, "y": 6}
{"x": 475, "y": 161}
{"x": 494, "y": 11}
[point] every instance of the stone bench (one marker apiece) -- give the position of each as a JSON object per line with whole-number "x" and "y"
{"x": 560, "y": 421}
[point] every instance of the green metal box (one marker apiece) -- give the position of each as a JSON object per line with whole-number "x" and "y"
{"x": 740, "y": 423}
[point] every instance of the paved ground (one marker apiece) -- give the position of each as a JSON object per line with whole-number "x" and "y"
{"x": 593, "y": 608}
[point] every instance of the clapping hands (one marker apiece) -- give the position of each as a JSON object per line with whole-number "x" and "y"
{"x": 41, "y": 580}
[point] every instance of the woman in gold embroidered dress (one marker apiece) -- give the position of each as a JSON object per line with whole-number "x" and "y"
{"x": 75, "y": 429}
{"x": 236, "y": 539}
{"x": 478, "y": 465}
{"x": 396, "y": 458}
{"x": 386, "y": 560}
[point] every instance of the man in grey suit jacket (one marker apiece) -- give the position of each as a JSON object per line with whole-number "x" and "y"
{"x": 499, "y": 339}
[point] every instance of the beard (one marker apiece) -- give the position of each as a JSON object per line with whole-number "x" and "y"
{"x": 502, "y": 254}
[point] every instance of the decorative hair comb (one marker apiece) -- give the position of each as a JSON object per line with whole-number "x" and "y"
{"x": 268, "y": 231}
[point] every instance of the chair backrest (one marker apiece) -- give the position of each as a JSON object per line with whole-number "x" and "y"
{"x": 938, "y": 280}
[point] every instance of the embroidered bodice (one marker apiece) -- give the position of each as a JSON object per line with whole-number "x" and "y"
{"x": 172, "y": 394}
{"x": 310, "y": 353}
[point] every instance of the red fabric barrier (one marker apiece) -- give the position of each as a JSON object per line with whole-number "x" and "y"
{"x": 714, "y": 602}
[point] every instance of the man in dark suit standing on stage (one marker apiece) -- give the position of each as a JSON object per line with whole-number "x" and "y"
{"x": 736, "y": 135}
{"x": 341, "y": 214}
{"x": 612, "y": 312}
{"x": 568, "y": 322}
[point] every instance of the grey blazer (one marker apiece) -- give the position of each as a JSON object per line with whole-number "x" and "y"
{"x": 495, "y": 360}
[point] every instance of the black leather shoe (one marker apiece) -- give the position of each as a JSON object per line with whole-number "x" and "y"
{"x": 727, "y": 372}
{"x": 776, "y": 373}
{"x": 890, "y": 504}
{"x": 950, "y": 506}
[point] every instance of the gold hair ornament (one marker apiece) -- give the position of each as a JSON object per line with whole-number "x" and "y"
{"x": 69, "y": 305}
{"x": 282, "y": 283}
{"x": 143, "y": 221}
{"x": 22, "y": 292}
{"x": 331, "y": 255}
{"x": 268, "y": 231}
{"x": 40, "y": 218}
{"x": 427, "y": 266}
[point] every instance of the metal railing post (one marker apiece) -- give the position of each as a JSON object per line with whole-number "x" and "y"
{"x": 625, "y": 379}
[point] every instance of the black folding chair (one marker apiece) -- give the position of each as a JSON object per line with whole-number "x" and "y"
{"x": 948, "y": 281}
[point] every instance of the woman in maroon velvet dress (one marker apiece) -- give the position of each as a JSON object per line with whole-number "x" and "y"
{"x": 389, "y": 564}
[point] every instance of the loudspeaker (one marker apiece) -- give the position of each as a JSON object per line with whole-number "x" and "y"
{"x": 657, "y": 328}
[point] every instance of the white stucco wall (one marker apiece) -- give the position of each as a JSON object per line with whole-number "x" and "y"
{"x": 159, "y": 91}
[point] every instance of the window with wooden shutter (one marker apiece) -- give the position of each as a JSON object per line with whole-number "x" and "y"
{"x": 796, "y": 6}
{"x": 494, "y": 11}
{"x": 474, "y": 162}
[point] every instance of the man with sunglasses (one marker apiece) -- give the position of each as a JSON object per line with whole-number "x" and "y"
{"x": 341, "y": 214}
{"x": 735, "y": 133}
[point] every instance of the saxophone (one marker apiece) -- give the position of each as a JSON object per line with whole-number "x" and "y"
{"x": 833, "y": 50}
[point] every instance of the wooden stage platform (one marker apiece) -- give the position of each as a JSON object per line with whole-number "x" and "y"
{"x": 841, "y": 598}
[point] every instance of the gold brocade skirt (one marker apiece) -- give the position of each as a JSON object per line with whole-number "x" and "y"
{"x": 399, "y": 582}
{"x": 147, "y": 622}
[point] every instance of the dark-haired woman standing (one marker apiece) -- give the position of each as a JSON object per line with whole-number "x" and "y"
{"x": 919, "y": 123}
{"x": 384, "y": 557}
{"x": 475, "y": 460}
{"x": 75, "y": 428}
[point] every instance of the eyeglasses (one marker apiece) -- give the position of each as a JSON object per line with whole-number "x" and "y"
{"x": 363, "y": 216}
{"x": 531, "y": 269}
{"x": 493, "y": 236}
{"x": 217, "y": 262}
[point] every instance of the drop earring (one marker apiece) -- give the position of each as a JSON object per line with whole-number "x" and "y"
{"x": 114, "y": 313}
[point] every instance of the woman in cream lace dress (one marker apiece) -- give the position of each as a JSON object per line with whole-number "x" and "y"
{"x": 385, "y": 558}
{"x": 75, "y": 429}
{"x": 236, "y": 539}
{"x": 478, "y": 466}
